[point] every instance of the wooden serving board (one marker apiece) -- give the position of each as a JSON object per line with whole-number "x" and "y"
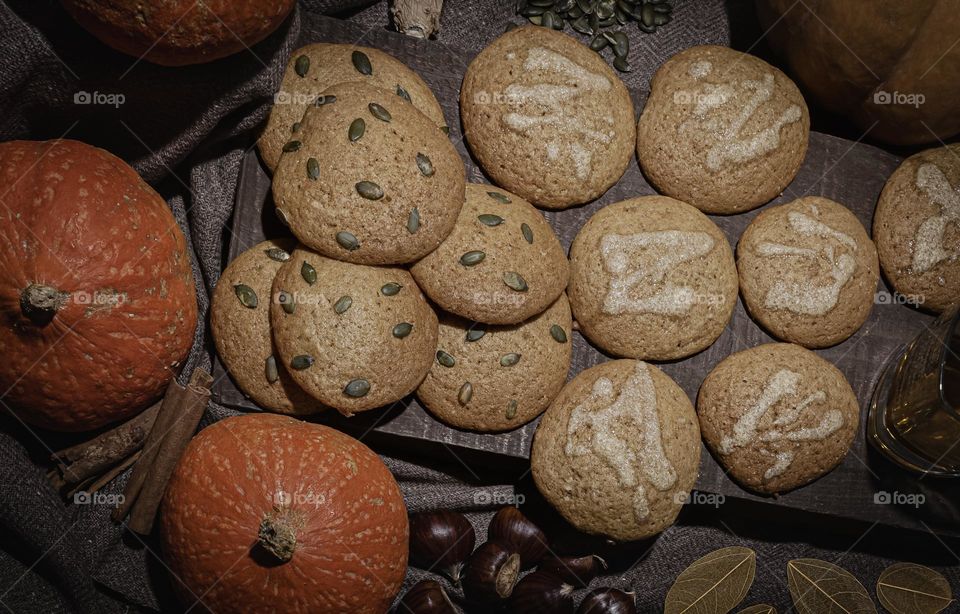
{"x": 850, "y": 173}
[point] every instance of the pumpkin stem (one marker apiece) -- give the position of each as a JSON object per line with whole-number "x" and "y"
{"x": 278, "y": 534}
{"x": 40, "y": 303}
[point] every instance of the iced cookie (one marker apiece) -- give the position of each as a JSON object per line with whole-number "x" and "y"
{"x": 652, "y": 278}
{"x": 917, "y": 228}
{"x": 495, "y": 378}
{"x": 314, "y": 68}
{"x": 502, "y": 264}
{"x": 547, "y": 118}
{"x": 777, "y": 416}
{"x": 808, "y": 271}
{"x": 722, "y": 130}
{"x": 355, "y": 337}
{"x": 240, "y": 323}
{"x": 618, "y": 451}
{"x": 368, "y": 179}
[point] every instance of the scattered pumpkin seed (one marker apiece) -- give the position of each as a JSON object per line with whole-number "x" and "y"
{"x": 356, "y": 130}
{"x": 402, "y": 329}
{"x": 598, "y": 42}
{"x": 301, "y": 66}
{"x": 356, "y": 388}
{"x": 308, "y": 273}
{"x": 347, "y": 241}
{"x": 301, "y": 362}
{"x": 343, "y": 303}
{"x": 425, "y": 165}
{"x": 622, "y": 64}
{"x": 465, "y": 394}
{"x": 369, "y": 190}
{"x": 558, "y": 334}
{"x": 512, "y": 409}
{"x": 390, "y": 289}
{"x": 291, "y": 146}
{"x": 270, "y": 369}
{"x": 526, "y": 232}
{"x": 474, "y": 334}
{"x": 445, "y": 359}
{"x": 322, "y": 100}
{"x": 313, "y": 169}
{"x": 445, "y": 130}
{"x": 280, "y": 255}
{"x": 489, "y": 219}
{"x": 413, "y": 221}
{"x": 379, "y": 112}
{"x": 508, "y": 360}
{"x": 248, "y": 298}
{"x": 403, "y": 93}
{"x": 362, "y": 63}
{"x": 621, "y": 44}
{"x": 286, "y": 301}
{"x": 514, "y": 281}
{"x": 472, "y": 258}
{"x": 497, "y": 196}
{"x": 294, "y": 127}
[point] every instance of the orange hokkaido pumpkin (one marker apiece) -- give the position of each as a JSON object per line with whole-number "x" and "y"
{"x": 97, "y": 303}
{"x": 267, "y": 513}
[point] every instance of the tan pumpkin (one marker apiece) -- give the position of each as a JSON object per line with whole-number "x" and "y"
{"x": 890, "y": 62}
{"x": 97, "y": 302}
{"x": 178, "y": 32}
{"x": 266, "y": 513}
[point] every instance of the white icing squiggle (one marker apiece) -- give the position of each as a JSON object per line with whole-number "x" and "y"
{"x": 928, "y": 244}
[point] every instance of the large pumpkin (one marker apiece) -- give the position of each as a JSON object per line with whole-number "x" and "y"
{"x": 266, "y": 513}
{"x": 178, "y": 32}
{"x": 890, "y": 62}
{"x": 97, "y": 302}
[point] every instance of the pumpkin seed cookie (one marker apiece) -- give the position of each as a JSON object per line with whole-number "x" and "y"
{"x": 312, "y": 69}
{"x": 501, "y": 264}
{"x": 240, "y": 322}
{"x": 722, "y": 130}
{"x": 369, "y": 179}
{"x": 917, "y": 228}
{"x": 808, "y": 271}
{"x": 547, "y": 118}
{"x": 499, "y": 377}
{"x": 355, "y": 337}
{"x": 777, "y": 416}
{"x": 652, "y": 278}
{"x": 618, "y": 450}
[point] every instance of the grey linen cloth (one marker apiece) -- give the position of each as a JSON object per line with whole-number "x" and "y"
{"x": 186, "y": 130}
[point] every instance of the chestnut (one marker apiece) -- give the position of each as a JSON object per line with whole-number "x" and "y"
{"x": 490, "y": 573}
{"x": 425, "y": 597}
{"x": 541, "y": 592}
{"x": 441, "y": 541}
{"x": 511, "y": 528}
{"x": 575, "y": 570}
{"x": 607, "y": 600}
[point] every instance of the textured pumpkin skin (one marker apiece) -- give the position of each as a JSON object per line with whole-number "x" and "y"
{"x": 351, "y": 549}
{"x": 179, "y": 32}
{"x": 77, "y": 218}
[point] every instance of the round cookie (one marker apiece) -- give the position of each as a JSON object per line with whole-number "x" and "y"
{"x": 369, "y": 179}
{"x": 917, "y": 228}
{"x": 355, "y": 337}
{"x": 500, "y": 377}
{"x": 777, "y": 416}
{"x": 808, "y": 271}
{"x": 618, "y": 451}
{"x": 240, "y": 323}
{"x": 312, "y": 69}
{"x": 652, "y": 278}
{"x": 547, "y": 118}
{"x": 502, "y": 264}
{"x": 722, "y": 130}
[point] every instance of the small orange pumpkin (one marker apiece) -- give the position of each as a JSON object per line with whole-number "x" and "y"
{"x": 268, "y": 513}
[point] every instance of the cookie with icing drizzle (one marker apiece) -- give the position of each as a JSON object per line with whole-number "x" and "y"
{"x": 618, "y": 450}
{"x": 808, "y": 271}
{"x": 547, "y": 118}
{"x": 777, "y": 416}
{"x": 722, "y": 130}
{"x": 917, "y": 228}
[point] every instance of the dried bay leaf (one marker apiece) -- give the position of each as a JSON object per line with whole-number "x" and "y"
{"x": 818, "y": 587}
{"x": 908, "y": 588}
{"x": 760, "y": 608}
{"x": 713, "y": 584}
